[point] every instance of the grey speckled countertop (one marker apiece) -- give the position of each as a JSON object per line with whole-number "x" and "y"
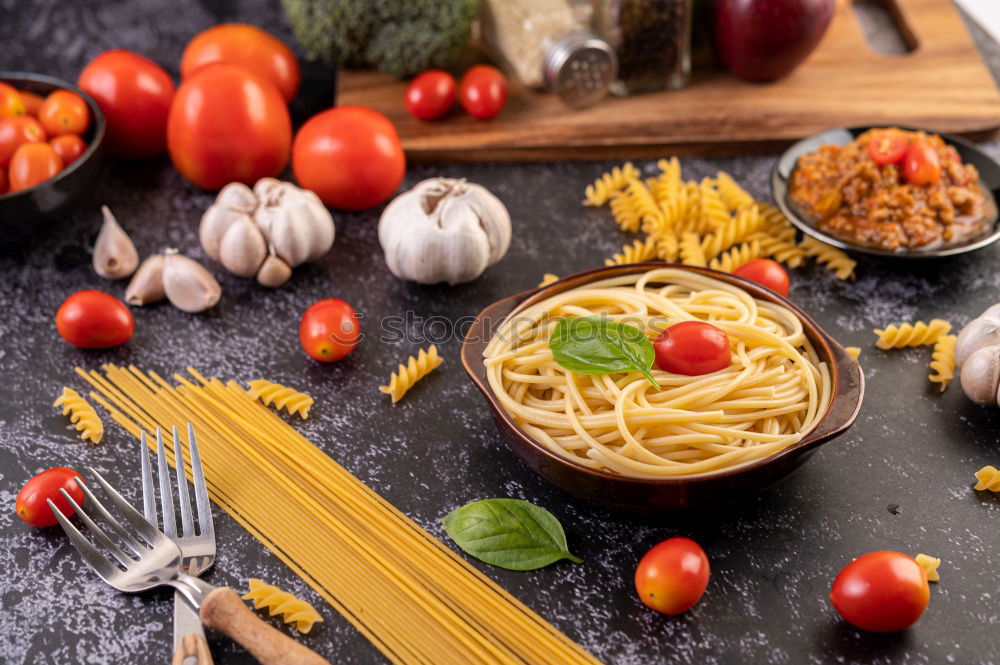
{"x": 773, "y": 557}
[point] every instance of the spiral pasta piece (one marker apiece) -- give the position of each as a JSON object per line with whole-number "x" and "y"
{"x": 548, "y": 278}
{"x": 732, "y": 259}
{"x": 415, "y": 369}
{"x": 713, "y": 213}
{"x": 943, "y": 361}
{"x": 775, "y": 222}
{"x": 930, "y": 565}
{"x": 292, "y": 609}
{"x": 667, "y": 246}
{"x": 746, "y": 222}
{"x": 911, "y": 334}
{"x": 853, "y": 351}
{"x": 609, "y": 183}
{"x": 734, "y": 196}
{"x": 690, "y": 250}
{"x": 624, "y": 212}
{"x": 988, "y": 478}
{"x": 281, "y": 397}
{"x": 637, "y": 252}
{"x": 839, "y": 262}
{"x": 82, "y": 414}
{"x": 782, "y": 251}
{"x": 642, "y": 201}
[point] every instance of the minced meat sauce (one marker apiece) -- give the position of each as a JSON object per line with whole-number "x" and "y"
{"x": 850, "y": 196}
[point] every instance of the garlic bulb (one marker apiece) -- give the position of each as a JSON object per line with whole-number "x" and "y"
{"x": 146, "y": 286}
{"x": 271, "y": 228}
{"x": 114, "y": 253}
{"x": 980, "y": 376}
{"x": 187, "y": 284}
{"x": 980, "y": 332}
{"x": 444, "y": 230}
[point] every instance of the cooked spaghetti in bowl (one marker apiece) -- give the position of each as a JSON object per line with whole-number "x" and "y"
{"x": 615, "y": 438}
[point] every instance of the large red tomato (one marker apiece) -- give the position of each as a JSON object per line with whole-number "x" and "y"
{"x": 135, "y": 95}
{"x": 247, "y": 46}
{"x": 228, "y": 124}
{"x": 350, "y": 156}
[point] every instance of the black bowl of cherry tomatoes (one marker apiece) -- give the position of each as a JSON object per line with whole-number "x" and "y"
{"x": 51, "y": 154}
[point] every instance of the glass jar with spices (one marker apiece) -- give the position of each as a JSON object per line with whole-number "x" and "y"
{"x": 652, "y": 39}
{"x": 550, "y": 44}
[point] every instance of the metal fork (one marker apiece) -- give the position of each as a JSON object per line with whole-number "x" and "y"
{"x": 155, "y": 561}
{"x": 197, "y": 550}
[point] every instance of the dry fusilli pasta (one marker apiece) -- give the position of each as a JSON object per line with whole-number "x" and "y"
{"x": 82, "y": 414}
{"x": 415, "y": 369}
{"x": 840, "y": 263}
{"x": 615, "y": 180}
{"x": 624, "y": 212}
{"x": 732, "y": 259}
{"x": 853, "y": 351}
{"x": 667, "y": 246}
{"x": 548, "y": 278}
{"x": 281, "y": 397}
{"x": 943, "y": 361}
{"x": 690, "y": 250}
{"x": 713, "y": 213}
{"x": 637, "y": 252}
{"x": 930, "y": 565}
{"x": 782, "y": 251}
{"x": 292, "y": 609}
{"x": 988, "y": 478}
{"x": 746, "y": 222}
{"x": 734, "y": 196}
{"x": 915, "y": 334}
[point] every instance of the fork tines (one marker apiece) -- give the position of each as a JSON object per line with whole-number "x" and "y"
{"x": 205, "y": 527}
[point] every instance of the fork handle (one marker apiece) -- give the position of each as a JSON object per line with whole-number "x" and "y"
{"x": 223, "y": 610}
{"x": 194, "y": 646}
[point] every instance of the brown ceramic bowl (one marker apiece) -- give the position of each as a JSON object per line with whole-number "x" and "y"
{"x": 645, "y": 495}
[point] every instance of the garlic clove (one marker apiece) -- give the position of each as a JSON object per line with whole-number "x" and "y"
{"x": 980, "y": 376}
{"x": 115, "y": 256}
{"x": 237, "y": 196}
{"x": 269, "y": 191}
{"x": 243, "y": 248}
{"x": 274, "y": 272}
{"x": 980, "y": 332}
{"x": 187, "y": 284}
{"x": 146, "y": 286}
{"x": 299, "y": 228}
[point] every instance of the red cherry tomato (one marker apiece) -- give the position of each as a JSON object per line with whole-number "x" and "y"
{"x": 15, "y": 131}
{"x": 767, "y": 273}
{"x": 921, "y": 165}
{"x": 69, "y": 147}
{"x": 430, "y": 95}
{"x": 881, "y": 591}
{"x": 31, "y": 503}
{"x": 228, "y": 124}
{"x": 11, "y": 102}
{"x": 246, "y": 46}
{"x": 135, "y": 94}
{"x": 483, "y": 91}
{"x": 329, "y": 330}
{"x": 672, "y": 576}
{"x": 32, "y": 102}
{"x": 887, "y": 146}
{"x": 64, "y": 112}
{"x": 32, "y": 164}
{"x": 692, "y": 348}
{"x": 94, "y": 320}
{"x": 350, "y": 156}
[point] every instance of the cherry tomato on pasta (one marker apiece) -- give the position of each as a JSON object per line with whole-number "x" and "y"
{"x": 329, "y": 330}
{"x": 246, "y": 46}
{"x": 882, "y": 592}
{"x": 32, "y": 164}
{"x": 135, "y": 94}
{"x": 921, "y": 165}
{"x": 672, "y": 576}
{"x": 64, "y": 112}
{"x": 69, "y": 147}
{"x": 483, "y": 91}
{"x": 15, "y": 131}
{"x": 94, "y": 320}
{"x": 887, "y": 146}
{"x": 767, "y": 273}
{"x": 31, "y": 503}
{"x": 692, "y": 348}
{"x": 430, "y": 95}
{"x": 11, "y": 102}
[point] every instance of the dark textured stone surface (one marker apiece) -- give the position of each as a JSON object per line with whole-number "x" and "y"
{"x": 773, "y": 557}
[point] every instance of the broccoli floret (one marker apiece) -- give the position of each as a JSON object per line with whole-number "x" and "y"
{"x": 399, "y": 37}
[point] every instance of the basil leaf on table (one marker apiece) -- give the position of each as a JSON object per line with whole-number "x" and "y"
{"x": 509, "y": 533}
{"x": 596, "y": 345}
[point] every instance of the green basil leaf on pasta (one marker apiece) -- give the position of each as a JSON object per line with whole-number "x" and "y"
{"x": 597, "y": 345}
{"x": 509, "y": 533}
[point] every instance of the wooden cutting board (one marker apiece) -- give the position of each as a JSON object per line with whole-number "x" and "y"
{"x": 942, "y": 85}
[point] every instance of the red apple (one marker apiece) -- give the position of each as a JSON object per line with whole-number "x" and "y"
{"x": 763, "y": 40}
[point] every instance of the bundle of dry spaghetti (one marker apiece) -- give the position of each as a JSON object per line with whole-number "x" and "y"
{"x": 411, "y": 596}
